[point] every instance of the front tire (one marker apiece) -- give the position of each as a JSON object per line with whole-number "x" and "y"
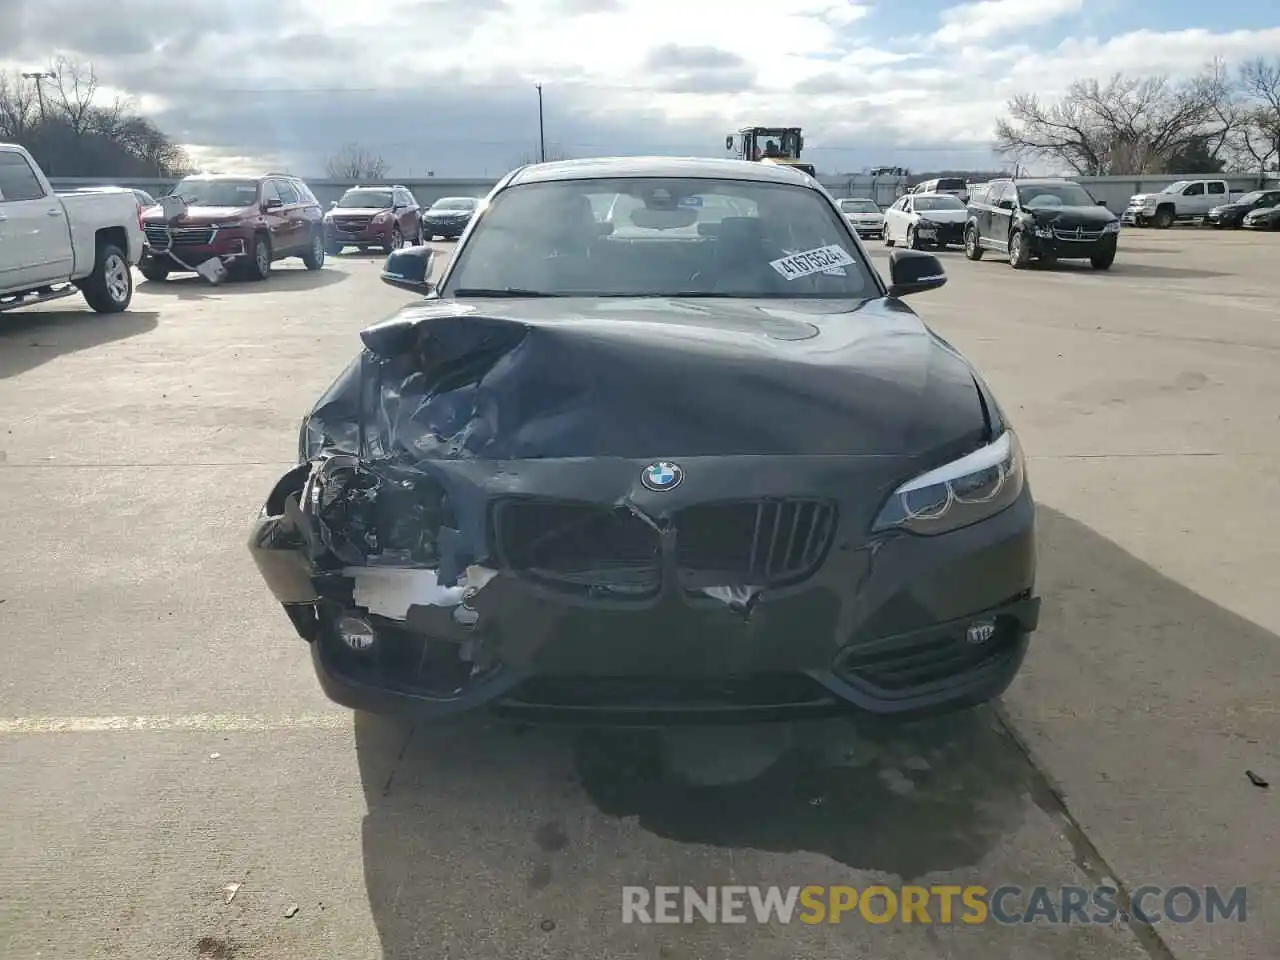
{"x": 313, "y": 259}
{"x": 1103, "y": 261}
{"x": 109, "y": 289}
{"x": 1163, "y": 219}
{"x": 888, "y": 240}
{"x": 259, "y": 266}
{"x": 1019, "y": 251}
{"x": 153, "y": 271}
{"x": 972, "y": 248}
{"x": 333, "y": 249}
{"x": 395, "y": 243}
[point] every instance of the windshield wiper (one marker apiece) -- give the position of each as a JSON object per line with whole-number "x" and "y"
{"x": 501, "y": 292}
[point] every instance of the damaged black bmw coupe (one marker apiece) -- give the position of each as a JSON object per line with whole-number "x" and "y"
{"x": 659, "y": 446}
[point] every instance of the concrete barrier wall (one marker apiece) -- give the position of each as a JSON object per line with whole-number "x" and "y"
{"x": 1115, "y": 191}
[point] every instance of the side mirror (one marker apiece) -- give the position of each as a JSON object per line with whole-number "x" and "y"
{"x": 1102, "y": 203}
{"x": 332, "y": 204}
{"x": 1005, "y": 204}
{"x": 914, "y": 271}
{"x": 275, "y": 203}
{"x": 728, "y": 142}
{"x": 409, "y": 268}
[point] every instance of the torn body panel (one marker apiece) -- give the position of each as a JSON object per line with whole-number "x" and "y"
{"x": 473, "y": 492}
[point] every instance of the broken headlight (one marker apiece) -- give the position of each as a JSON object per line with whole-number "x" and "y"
{"x": 977, "y": 486}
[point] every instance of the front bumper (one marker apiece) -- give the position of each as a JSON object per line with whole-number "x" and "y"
{"x": 1057, "y": 248}
{"x": 879, "y": 627}
{"x": 374, "y": 235}
{"x": 443, "y": 228}
{"x": 868, "y": 229}
{"x": 196, "y": 247}
{"x": 941, "y": 233}
{"x": 1256, "y": 224}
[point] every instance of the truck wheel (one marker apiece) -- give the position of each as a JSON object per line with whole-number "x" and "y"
{"x": 333, "y": 249}
{"x": 1163, "y": 218}
{"x": 1103, "y": 261}
{"x": 157, "y": 272}
{"x": 259, "y": 265}
{"x": 109, "y": 289}
{"x": 1019, "y": 252}
{"x": 314, "y": 257}
{"x": 972, "y": 248}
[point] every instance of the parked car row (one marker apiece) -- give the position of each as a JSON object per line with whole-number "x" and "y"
{"x": 1043, "y": 219}
{"x": 246, "y": 224}
{"x": 1211, "y": 202}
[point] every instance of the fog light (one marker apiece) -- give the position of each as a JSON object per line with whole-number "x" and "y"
{"x": 980, "y": 631}
{"x": 356, "y": 632}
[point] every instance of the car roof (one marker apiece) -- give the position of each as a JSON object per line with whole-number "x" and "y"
{"x": 233, "y": 176}
{"x": 602, "y": 168}
{"x": 857, "y": 199}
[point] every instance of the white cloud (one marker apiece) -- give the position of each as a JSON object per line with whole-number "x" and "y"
{"x": 991, "y": 18}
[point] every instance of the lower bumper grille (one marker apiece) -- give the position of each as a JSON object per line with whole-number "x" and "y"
{"x": 909, "y": 662}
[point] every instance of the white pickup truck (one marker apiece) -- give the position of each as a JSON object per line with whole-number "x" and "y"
{"x": 52, "y": 245}
{"x": 1180, "y": 201}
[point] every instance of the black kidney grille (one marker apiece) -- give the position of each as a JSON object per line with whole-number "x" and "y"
{"x": 757, "y": 542}
{"x": 578, "y": 547}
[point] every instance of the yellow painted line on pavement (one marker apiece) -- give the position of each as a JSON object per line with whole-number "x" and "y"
{"x": 197, "y": 722}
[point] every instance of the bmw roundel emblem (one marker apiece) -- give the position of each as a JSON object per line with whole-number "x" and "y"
{"x": 661, "y": 477}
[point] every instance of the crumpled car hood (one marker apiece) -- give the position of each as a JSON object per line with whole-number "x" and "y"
{"x": 651, "y": 377}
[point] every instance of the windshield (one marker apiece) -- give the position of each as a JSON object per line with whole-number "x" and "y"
{"x": 652, "y": 237}
{"x": 1175, "y": 187}
{"x": 945, "y": 202}
{"x": 454, "y": 203}
{"x": 858, "y": 206}
{"x": 1054, "y": 195}
{"x": 217, "y": 193}
{"x": 365, "y": 198}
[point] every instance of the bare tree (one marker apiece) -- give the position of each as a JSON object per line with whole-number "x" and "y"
{"x": 76, "y": 135}
{"x": 354, "y": 162}
{"x": 1121, "y": 125}
{"x": 1257, "y": 137}
{"x": 76, "y": 87}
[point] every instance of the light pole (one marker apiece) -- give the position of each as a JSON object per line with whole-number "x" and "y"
{"x": 542, "y": 139}
{"x": 39, "y": 77}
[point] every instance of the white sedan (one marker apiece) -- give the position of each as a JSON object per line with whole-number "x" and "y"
{"x": 925, "y": 220}
{"x": 865, "y": 216}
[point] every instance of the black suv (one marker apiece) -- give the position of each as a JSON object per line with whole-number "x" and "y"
{"x": 1043, "y": 219}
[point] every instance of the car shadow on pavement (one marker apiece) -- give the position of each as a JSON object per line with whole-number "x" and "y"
{"x": 1121, "y": 268}
{"x": 31, "y": 338}
{"x": 191, "y": 287}
{"x": 476, "y": 825}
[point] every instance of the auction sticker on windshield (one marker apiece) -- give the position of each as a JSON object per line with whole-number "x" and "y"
{"x": 808, "y": 262}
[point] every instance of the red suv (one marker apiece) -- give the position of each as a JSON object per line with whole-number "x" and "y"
{"x": 246, "y": 222}
{"x": 365, "y": 217}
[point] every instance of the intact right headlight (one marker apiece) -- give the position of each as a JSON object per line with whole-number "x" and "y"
{"x": 974, "y": 488}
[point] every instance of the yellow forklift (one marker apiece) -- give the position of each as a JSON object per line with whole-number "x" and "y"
{"x": 781, "y": 145}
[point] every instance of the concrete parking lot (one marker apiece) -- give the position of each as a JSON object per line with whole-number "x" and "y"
{"x": 162, "y": 736}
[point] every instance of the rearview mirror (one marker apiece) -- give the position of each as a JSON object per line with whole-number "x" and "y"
{"x": 913, "y": 271}
{"x": 1102, "y": 203}
{"x": 728, "y": 142}
{"x": 409, "y": 268}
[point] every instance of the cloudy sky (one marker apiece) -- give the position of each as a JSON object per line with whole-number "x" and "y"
{"x": 448, "y": 85}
